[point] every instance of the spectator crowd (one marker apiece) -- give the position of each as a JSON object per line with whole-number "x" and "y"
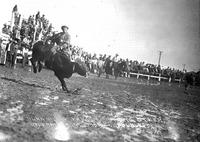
{"x": 24, "y": 32}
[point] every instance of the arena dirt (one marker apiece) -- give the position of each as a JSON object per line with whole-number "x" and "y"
{"x": 33, "y": 108}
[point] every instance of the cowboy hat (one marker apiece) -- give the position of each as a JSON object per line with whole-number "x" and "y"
{"x": 64, "y": 27}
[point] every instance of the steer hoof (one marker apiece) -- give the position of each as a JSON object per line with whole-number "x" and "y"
{"x": 34, "y": 70}
{"x": 186, "y": 92}
{"x": 67, "y": 91}
{"x": 76, "y": 91}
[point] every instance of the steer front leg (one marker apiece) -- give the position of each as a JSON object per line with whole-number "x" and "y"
{"x": 63, "y": 84}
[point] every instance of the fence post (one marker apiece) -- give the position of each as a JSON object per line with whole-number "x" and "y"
{"x": 138, "y": 76}
{"x": 170, "y": 79}
{"x": 159, "y": 77}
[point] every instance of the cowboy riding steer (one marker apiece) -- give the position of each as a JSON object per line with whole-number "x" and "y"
{"x": 57, "y": 61}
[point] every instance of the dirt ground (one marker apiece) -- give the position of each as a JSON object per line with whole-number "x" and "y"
{"x": 33, "y": 108}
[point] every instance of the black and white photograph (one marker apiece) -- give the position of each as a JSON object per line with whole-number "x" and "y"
{"x": 100, "y": 71}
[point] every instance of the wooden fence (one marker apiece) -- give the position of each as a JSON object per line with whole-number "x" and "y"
{"x": 153, "y": 76}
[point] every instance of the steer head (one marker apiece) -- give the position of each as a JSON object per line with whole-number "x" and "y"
{"x": 79, "y": 68}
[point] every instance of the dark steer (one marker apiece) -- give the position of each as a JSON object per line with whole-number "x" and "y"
{"x": 56, "y": 61}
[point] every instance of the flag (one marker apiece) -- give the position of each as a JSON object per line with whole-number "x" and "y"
{"x": 15, "y": 9}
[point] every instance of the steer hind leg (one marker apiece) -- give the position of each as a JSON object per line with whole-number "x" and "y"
{"x": 40, "y": 65}
{"x": 33, "y": 62}
{"x": 64, "y": 87}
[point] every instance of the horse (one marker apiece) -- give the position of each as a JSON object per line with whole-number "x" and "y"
{"x": 58, "y": 62}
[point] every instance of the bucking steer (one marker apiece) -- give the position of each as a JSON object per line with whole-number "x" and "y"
{"x": 57, "y": 61}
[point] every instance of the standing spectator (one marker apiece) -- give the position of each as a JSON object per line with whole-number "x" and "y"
{"x": 24, "y": 30}
{"x": 43, "y": 22}
{"x": 16, "y": 33}
{"x": 94, "y": 63}
{"x": 38, "y": 33}
{"x": 116, "y": 58}
{"x": 42, "y": 18}
{"x": 25, "y": 49}
{"x": 50, "y": 29}
{"x": 108, "y": 65}
{"x": 31, "y": 32}
{"x": 13, "y": 52}
{"x": 127, "y": 68}
{"x": 49, "y": 32}
{"x": 104, "y": 57}
{"x": 4, "y": 29}
{"x": 100, "y": 64}
{"x": 9, "y": 30}
{"x": 1, "y": 40}
{"x": 115, "y": 62}
{"x": 94, "y": 57}
{"x": 29, "y": 19}
{"x": 37, "y": 18}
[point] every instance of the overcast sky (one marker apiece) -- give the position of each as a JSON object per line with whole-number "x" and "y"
{"x": 135, "y": 29}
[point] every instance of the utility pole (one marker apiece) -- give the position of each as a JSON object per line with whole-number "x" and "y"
{"x": 160, "y": 53}
{"x": 184, "y": 68}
